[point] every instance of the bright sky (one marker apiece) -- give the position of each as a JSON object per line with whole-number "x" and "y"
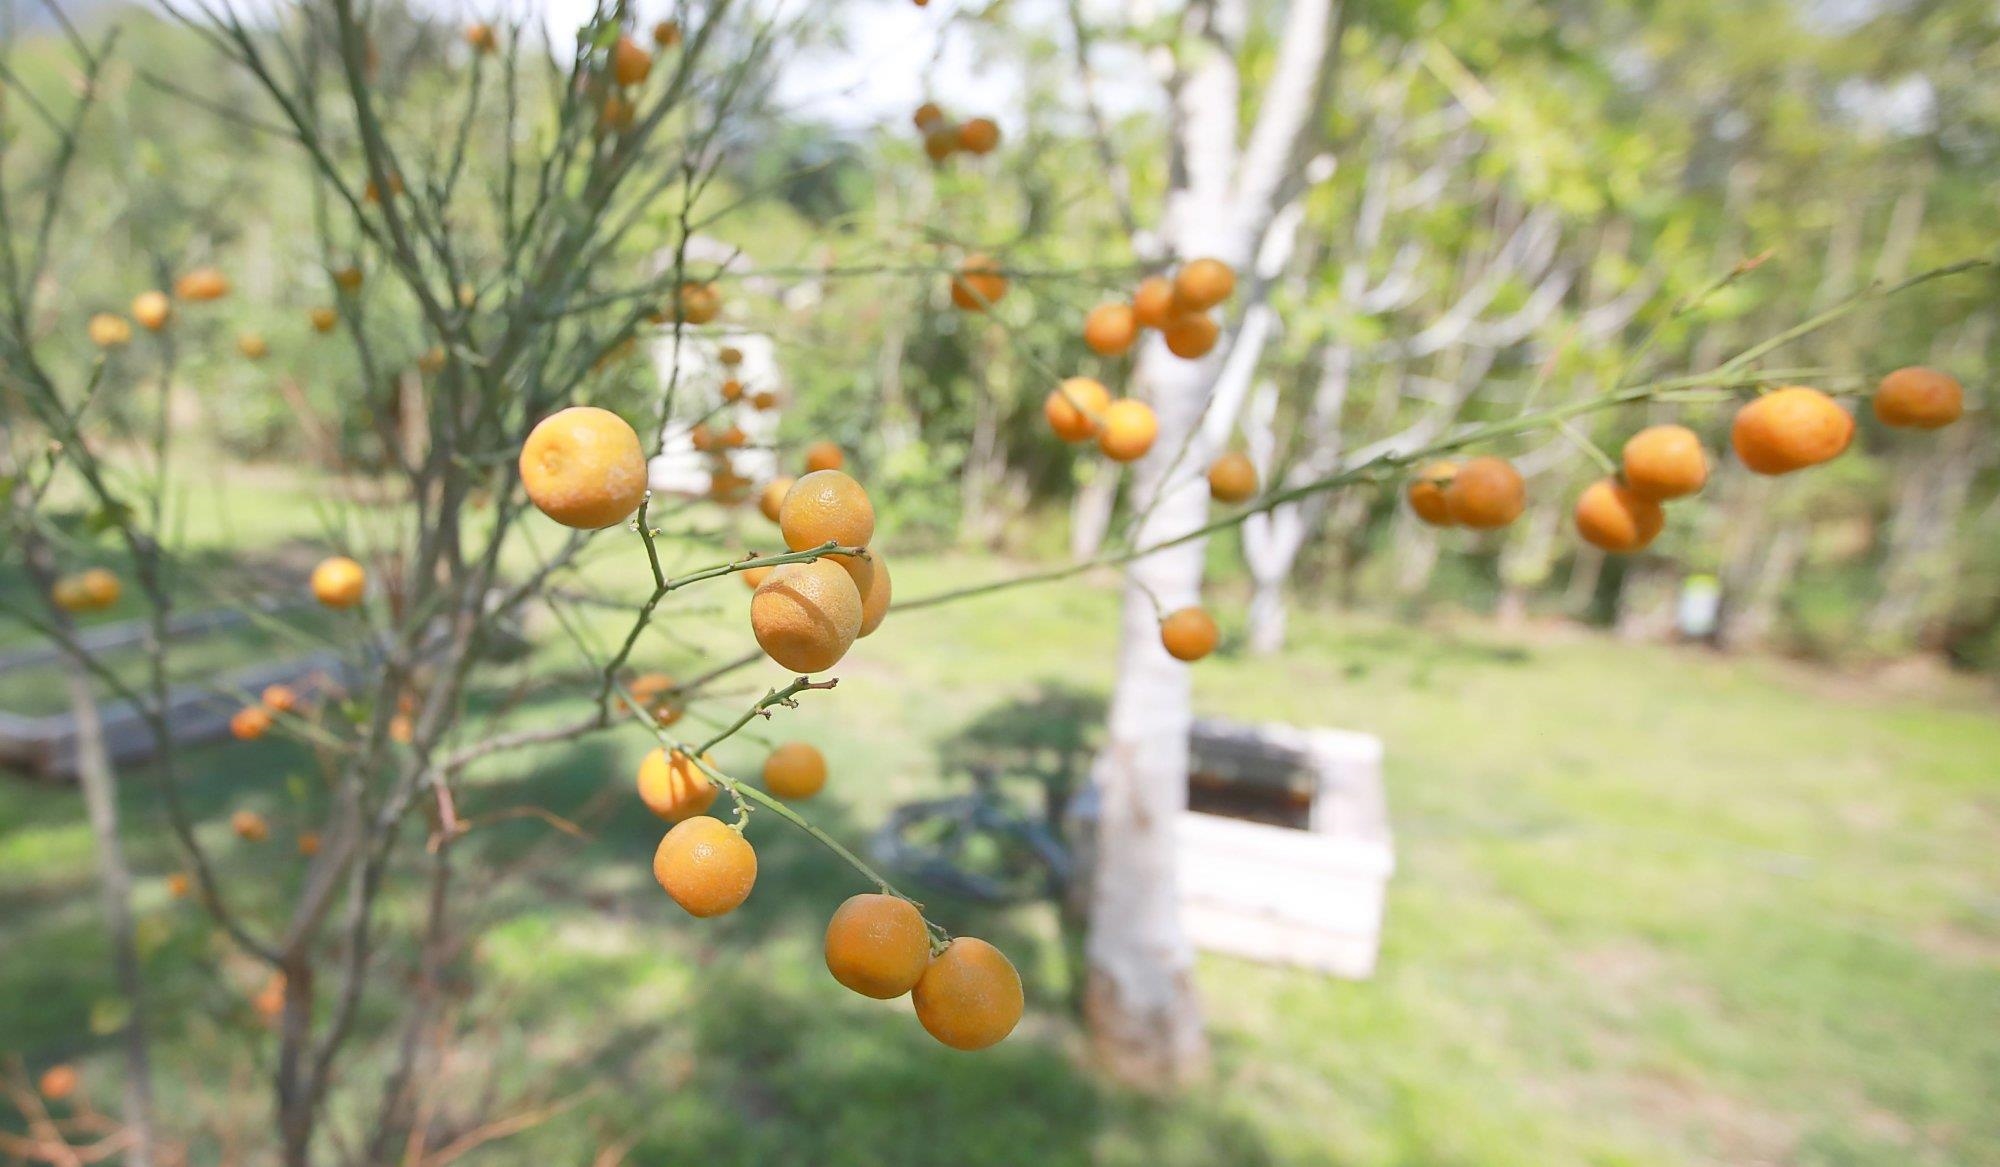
{"x": 891, "y": 49}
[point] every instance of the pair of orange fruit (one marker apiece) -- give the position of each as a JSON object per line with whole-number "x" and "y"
{"x": 1081, "y": 408}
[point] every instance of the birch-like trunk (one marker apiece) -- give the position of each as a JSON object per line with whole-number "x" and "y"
{"x": 1140, "y": 1003}
{"x": 114, "y": 885}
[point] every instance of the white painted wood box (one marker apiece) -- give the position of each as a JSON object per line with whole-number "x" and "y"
{"x": 1308, "y": 893}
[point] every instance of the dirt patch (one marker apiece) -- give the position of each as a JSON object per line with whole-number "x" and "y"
{"x": 1720, "y": 1129}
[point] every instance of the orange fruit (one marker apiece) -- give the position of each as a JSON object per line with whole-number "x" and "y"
{"x": 795, "y": 770}
{"x": 940, "y": 141}
{"x": 630, "y": 64}
{"x": 726, "y": 486}
{"x": 729, "y": 355}
{"x": 372, "y": 193}
{"x": 253, "y": 346}
{"x": 100, "y": 588}
{"x": 824, "y": 455}
{"x": 308, "y": 843}
{"x": 874, "y": 594}
{"x": 1663, "y": 462}
{"x": 1919, "y": 398}
{"x": 732, "y": 390}
{"x": 1790, "y": 429}
{"x": 338, "y": 582}
{"x": 1611, "y": 515}
{"x": 1189, "y": 634}
{"x": 978, "y": 284}
{"x": 109, "y": 330}
{"x": 826, "y": 506}
{"x": 805, "y": 616}
{"x": 1232, "y": 478}
{"x": 152, "y": 309}
{"x": 649, "y": 687}
{"x": 69, "y": 595}
{"x": 673, "y": 787}
{"x": 765, "y": 399}
{"x": 1486, "y": 493}
{"x": 698, "y": 303}
{"x": 732, "y": 438}
{"x": 655, "y": 693}
{"x": 1190, "y": 335}
{"x": 877, "y": 945}
{"x": 481, "y": 38}
{"x": 1110, "y": 329}
{"x": 249, "y": 825}
{"x": 667, "y": 33}
{"x": 279, "y": 698}
{"x": 701, "y": 437}
{"x": 58, "y": 1082}
{"x": 270, "y": 1000}
{"x": 1427, "y": 492}
{"x": 1129, "y": 428}
{"x": 969, "y": 997}
{"x": 774, "y": 495}
{"x": 348, "y": 278}
{"x": 1153, "y": 302}
{"x": 1202, "y": 284}
{"x": 249, "y": 723}
{"x": 324, "y": 319}
{"x": 582, "y": 467}
{"x": 615, "y": 117}
{"x": 201, "y": 284}
{"x": 1074, "y": 409}
{"x": 755, "y": 576}
{"x": 928, "y": 114}
{"x": 706, "y": 865}
{"x": 178, "y": 885}
{"x": 978, "y": 136}
{"x": 402, "y": 729}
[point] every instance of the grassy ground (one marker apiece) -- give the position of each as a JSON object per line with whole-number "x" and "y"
{"x": 1653, "y": 907}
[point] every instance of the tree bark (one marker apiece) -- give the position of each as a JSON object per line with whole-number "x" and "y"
{"x": 1140, "y": 1002}
{"x": 114, "y": 883}
{"x": 1090, "y": 513}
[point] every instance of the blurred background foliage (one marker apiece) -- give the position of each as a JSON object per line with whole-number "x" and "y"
{"x": 1555, "y": 178}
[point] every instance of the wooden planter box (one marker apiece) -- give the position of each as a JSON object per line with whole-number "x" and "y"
{"x": 1284, "y": 851}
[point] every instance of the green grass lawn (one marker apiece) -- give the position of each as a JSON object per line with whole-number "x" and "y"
{"x": 1653, "y": 906}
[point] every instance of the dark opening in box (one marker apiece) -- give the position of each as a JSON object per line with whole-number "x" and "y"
{"x": 1278, "y": 806}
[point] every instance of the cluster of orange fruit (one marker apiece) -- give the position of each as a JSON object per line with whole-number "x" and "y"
{"x": 726, "y": 485}
{"x": 943, "y": 138}
{"x": 695, "y": 302}
{"x": 1081, "y": 408}
{"x": 676, "y": 788}
{"x": 1778, "y": 432}
{"x": 254, "y": 721}
{"x": 153, "y": 309}
{"x": 582, "y": 467}
{"x": 91, "y": 590}
{"x": 967, "y": 994}
{"x": 1178, "y": 307}
{"x": 806, "y": 616}
{"x": 626, "y": 67}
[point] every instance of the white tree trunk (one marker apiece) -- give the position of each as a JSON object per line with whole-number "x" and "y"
{"x": 114, "y": 882}
{"x": 1140, "y": 1002}
{"x": 1139, "y": 998}
{"x": 1090, "y": 513}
